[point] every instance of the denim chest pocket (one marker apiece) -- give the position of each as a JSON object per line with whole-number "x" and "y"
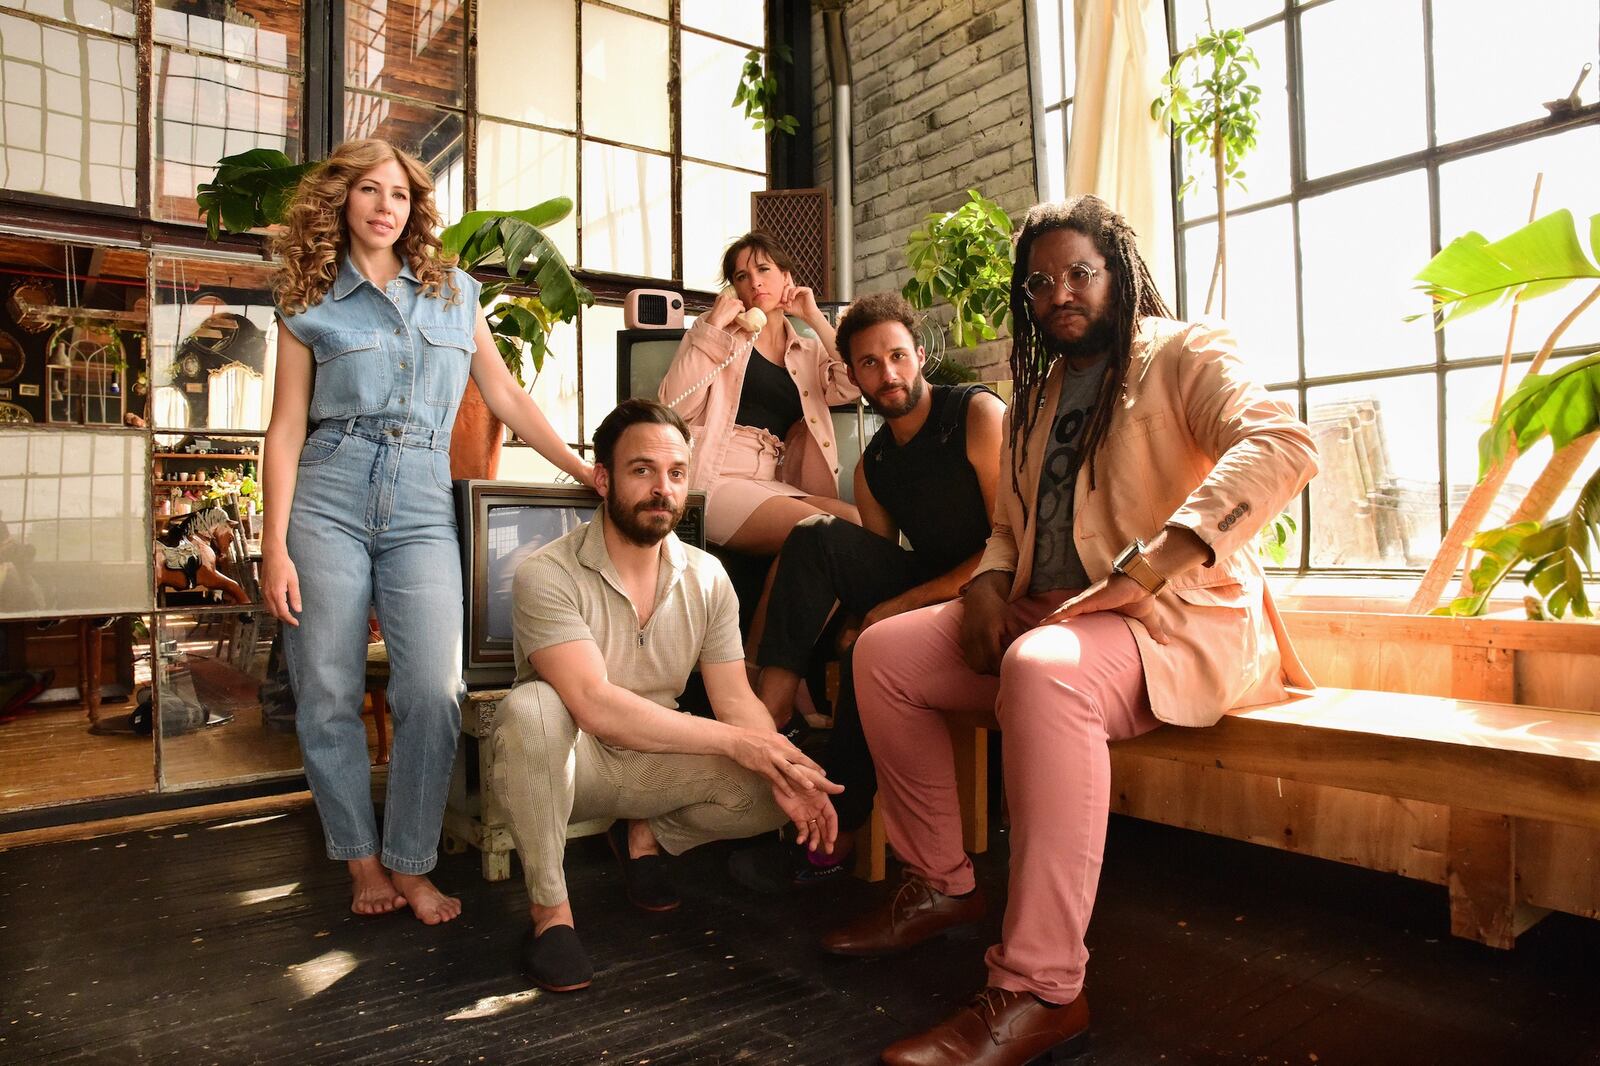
{"x": 353, "y": 374}
{"x": 447, "y": 359}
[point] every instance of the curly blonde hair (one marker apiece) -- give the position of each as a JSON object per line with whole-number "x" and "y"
{"x": 313, "y": 237}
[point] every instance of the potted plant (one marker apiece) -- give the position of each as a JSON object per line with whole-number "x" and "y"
{"x": 1211, "y": 107}
{"x": 963, "y": 257}
{"x": 252, "y": 189}
{"x": 514, "y": 242}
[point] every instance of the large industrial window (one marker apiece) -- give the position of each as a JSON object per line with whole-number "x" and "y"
{"x": 1389, "y": 127}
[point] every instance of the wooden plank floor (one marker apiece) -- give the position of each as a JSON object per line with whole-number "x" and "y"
{"x": 49, "y": 756}
{"x": 229, "y": 943}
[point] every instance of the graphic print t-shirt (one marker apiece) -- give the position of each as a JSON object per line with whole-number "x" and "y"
{"x": 1055, "y": 557}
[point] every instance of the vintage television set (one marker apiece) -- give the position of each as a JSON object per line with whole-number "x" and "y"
{"x": 502, "y": 523}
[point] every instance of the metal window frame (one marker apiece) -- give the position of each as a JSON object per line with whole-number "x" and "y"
{"x": 1429, "y": 160}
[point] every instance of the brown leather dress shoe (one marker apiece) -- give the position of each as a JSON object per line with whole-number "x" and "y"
{"x": 917, "y": 913}
{"x": 999, "y": 1028}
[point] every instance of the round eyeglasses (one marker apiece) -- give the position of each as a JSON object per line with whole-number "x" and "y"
{"x": 1077, "y": 278}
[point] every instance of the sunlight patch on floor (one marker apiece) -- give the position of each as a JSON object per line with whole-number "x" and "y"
{"x": 262, "y": 895}
{"x": 241, "y": 823}
{"x": 320, "y": 973}
{"x": 489, "y": 1006}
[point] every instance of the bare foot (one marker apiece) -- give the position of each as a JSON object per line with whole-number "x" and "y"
{"x": 641, "y": 841}
{"x": 545, "y": 917}
{"x": 429, "y": 904}
{"x": 371, "y": 891}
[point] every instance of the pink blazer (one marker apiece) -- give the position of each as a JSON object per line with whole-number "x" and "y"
{"x": 811, "y": 455}
{"x": 1194, "y": 443}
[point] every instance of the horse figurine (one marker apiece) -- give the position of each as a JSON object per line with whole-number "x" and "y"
{"x": 186, "y": 554}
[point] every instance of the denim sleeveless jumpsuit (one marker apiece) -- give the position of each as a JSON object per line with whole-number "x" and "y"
{"x": 373, "y": 522}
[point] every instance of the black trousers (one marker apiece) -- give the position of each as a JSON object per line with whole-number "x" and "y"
{"x": 827, "y": 561}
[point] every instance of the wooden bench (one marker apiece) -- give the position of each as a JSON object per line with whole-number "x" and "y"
{"x": 1466, "y": 785}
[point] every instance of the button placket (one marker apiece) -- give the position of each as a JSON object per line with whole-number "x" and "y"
{"x": 410, "y": 382}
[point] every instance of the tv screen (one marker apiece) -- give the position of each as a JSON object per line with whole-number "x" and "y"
{"x": 643, "y": 356}
{"x": 502, "y": 523}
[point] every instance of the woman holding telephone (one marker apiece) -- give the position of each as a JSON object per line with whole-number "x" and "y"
{"x": 755, "y": 394}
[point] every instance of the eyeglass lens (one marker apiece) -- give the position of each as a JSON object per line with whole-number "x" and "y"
{"x": 1077, "y": 276}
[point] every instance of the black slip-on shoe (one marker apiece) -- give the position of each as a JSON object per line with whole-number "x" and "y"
{"x": 555, "y": 960}
{"x": 646, "y": 879}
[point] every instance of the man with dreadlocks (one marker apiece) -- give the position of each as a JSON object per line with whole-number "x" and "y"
{"x": 1119, "y": 591}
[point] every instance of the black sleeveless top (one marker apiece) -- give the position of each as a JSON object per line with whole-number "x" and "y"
{"x": 928, "y": 485}
{"x": 770, "y": 400}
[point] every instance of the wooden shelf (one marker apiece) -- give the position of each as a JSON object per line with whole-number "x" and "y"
{"x": 242, "y": 456}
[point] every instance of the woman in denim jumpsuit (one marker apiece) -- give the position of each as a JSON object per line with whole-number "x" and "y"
{"x": 370, "y": 372}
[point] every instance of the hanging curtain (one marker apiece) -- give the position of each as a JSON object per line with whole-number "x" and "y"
{"x": 1115, "y": 149}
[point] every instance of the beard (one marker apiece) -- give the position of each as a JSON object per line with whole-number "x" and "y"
{"x": 913, "y": 396}
{"x": 1096, "y": 340}
{"x": 643, "y": 524}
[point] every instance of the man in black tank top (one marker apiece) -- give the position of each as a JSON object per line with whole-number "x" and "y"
{"x": 930, "y": 474}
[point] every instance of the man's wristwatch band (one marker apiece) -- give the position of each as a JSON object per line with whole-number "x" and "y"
{"x": 1133, "y": 563}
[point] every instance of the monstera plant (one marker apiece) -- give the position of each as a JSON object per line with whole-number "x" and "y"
{"x": 1473, "y": 273}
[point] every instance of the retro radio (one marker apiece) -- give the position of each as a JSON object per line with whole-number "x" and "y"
{"x": 652, "y": 309}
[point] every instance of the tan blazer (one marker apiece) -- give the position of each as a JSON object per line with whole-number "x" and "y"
{"x": 811, "y": 454}
{"x": 1195, "y": 443}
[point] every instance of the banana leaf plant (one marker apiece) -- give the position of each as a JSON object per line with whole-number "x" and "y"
{"x": 516, "y": 242}
{"x": 1473, "y": 273}
{"x": 253, "y": 189}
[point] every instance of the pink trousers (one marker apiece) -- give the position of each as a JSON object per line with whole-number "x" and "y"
{"x": 1063, "y": 692}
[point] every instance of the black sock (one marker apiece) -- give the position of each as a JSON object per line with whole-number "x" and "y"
{"x": 963, "y": 895}
{"x": 1045, "y": 1002}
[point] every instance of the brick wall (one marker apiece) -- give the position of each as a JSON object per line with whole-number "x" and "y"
{"x": 941, "y": 104}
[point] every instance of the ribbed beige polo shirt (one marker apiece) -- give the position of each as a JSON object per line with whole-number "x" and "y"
{"x": 569, "y": 590}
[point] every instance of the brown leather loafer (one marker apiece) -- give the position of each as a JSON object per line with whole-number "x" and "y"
{"x": 917, "y": 912}
{"x": 999, "y": 1028}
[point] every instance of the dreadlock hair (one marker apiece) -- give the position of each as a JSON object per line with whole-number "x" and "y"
{"x": 1133, "y": 296}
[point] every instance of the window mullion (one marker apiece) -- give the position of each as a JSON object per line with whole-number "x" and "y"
{"x": 144, "y": 108}
{"x": 469, "y": 124}
{"x": 675, "y": 130}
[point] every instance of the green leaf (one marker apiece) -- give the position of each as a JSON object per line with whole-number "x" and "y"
{"x": 1562, "y": 406}
{"x": 1472, "y": 273}
{"x": 1504, "y": 542}
{"x": 540, "y": 216}
{"x": 238, "y": 213}
{"x": 275, "y": 201}
{"x": 517, "y": 240}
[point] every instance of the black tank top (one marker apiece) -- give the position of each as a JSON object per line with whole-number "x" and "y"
{"x": 770, "y": 400}
{"x": 928, "y": 485}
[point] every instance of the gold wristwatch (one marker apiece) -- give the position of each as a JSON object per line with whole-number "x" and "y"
{"x": 1133, "y": 563}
